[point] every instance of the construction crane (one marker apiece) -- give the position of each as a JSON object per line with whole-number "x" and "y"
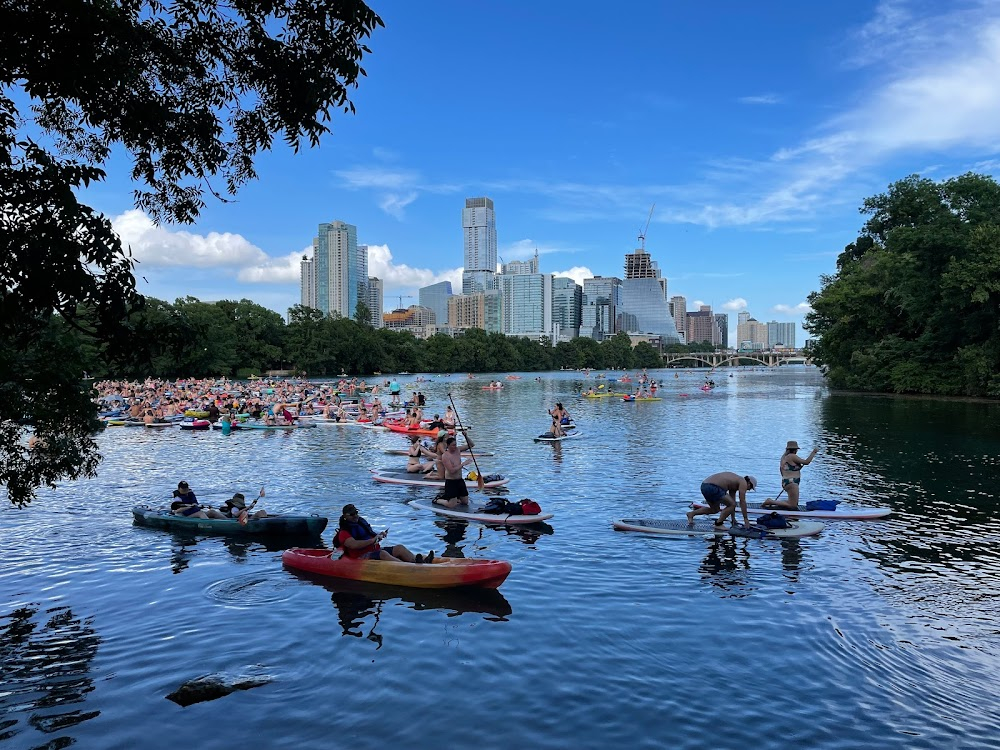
{"x": 642, "y": 234}
{"x": 401, "y": 297}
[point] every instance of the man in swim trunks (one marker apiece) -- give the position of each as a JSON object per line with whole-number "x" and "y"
{"x": 455, "y": 491}
{"x": 720, "y": 490}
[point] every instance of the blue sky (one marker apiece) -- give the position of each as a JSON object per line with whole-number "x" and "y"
{"x": 756, "y": 129}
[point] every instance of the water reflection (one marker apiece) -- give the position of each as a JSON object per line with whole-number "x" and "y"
{"x": 359, "y": 604}
{"x": 45, "y": 669}
{"x": 182, "y": 546}
{"x": 455, "y": 531}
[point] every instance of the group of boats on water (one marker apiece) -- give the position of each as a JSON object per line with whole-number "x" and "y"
{"x": 307, "y": 405}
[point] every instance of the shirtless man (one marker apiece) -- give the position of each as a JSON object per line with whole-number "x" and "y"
{"x": 455, "y": 491}
{"x": 720, "y": 490}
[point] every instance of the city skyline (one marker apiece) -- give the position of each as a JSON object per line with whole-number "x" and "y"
{"x": 757, "y": 132}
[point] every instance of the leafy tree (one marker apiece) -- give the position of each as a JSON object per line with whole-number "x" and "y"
{"x": 645, "y": 355}
{"x": 617, "y": 351}
{"x": 915, "y": 304}
{"x": 362, "y": 315}
{"x": 191, "y": 90}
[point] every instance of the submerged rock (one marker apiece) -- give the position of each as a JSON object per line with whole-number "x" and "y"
{"x": 212, "y": 686}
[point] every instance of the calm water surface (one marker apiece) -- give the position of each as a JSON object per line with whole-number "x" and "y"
{"x": 873, "y": 634}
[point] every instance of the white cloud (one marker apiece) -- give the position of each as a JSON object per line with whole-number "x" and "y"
{"x": 286, "y": 270}
{"x": 400, "y": 278}
{"x": 577, "y": 273}
{"x": 737, "y": 304}
{"x": 377, "y": 177}
{"x": 394, "y": 204}
{"x": 760, "y": 99}
{"x": 796, "y": 310}
{"x": 157, "y": 246}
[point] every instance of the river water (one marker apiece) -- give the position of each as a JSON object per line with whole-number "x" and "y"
{"x": 873, "y": 634}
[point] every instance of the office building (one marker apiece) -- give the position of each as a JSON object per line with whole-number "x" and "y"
{"x": 435, "y": 297}
{"x": 307, "y": 282}
{"x": 480, "y": 238}
{"x": 602, "y": 298}
{"x": 375, "y": 300}
{"x": 701, "y": 327}
{"x": 644, "y": 299}
{"x": 567, "y": 299}
{"x": 479, "y": 310}
{"x": 678, "y": 308}
{"x": 415, "y": 319}
{"x": 722, "y": 324}
{"x": 338, "y": 269}
{"x": 751, "y": 334}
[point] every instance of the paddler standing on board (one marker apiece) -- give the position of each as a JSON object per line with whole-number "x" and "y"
{"x": 720, "y": 491}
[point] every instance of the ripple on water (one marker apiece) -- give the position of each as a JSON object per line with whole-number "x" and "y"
{"x": 252, "y": 589}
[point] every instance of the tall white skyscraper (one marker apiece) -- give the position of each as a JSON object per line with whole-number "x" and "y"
{"x": 479, "y": 231}
{"x": 338, "y": 271}
{"x": 307, "y": 281}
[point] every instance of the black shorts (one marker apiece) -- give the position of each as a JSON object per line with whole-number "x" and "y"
{"x": 454, "y": 488}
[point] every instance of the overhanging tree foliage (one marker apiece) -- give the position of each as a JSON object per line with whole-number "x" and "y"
{"x": 915, "y": 304}
{"x": 191, "y": 91}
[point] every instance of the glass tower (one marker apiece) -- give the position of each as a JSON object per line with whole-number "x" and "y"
{"x": 436, "y": 297}
{"x": 338, "y": 272}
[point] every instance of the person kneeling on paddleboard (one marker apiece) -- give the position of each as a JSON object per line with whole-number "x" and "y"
{"x": 719, "y": 491}
{"x": 360, "y": 542}
{"x": 455, "y": 491}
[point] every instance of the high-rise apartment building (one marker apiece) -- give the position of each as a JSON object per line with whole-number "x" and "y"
{"x": 375, "y": 300}
{"x": 567, "y": 299}
{"x": 750, "y": 333}
{"x": 479, "y": 310}
{"x": 678, "y": 306}
{"x": 338, "y": 269}
{"x": 525, "y": 303}
{"x": 307, "y": 282}
{"x": 602, "y": 299}
{"x": 517, "y": 267}
{"x": 780, "y": 334}
{"x": 701, "y": 326}
{"x": 479, "y": 231}
{"x": 435, "y": 297}
{"x": 722, "y": 324}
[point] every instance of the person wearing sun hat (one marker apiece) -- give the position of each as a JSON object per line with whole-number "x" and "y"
{"x": 790, "y": 467}
{"x": 720, "y": 491}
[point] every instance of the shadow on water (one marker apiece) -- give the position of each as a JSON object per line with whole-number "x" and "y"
{"x": 182, "y": 546}
{"x": 356, "y": 601}
{"x": 726, "y": 564}
{"x": 456, "y": 531}
{"x": 45, "y": 663}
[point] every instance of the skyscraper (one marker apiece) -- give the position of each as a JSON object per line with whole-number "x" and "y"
{"x": 374, "y": 301}
{"x": 679, "y": 310}
{"x": 722, "y": 323}
{"x": 602, "y": 298}
{"x": 338, "y": 272}
{"x": 644, "y": 298}
{"x": 480, "y": 236}
{"x": 525, "y": 303}
{"x": 436, "y": 297}
{"x": 567, "y": 299}
{"x": 520, "y": 266}
{"x": 307, "y": 282}
{"x": 780, "y": 334}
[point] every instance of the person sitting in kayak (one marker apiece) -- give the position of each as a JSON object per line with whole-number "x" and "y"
{"x": 455, "y": 491}
{"x": 237, "y": 506}
{"x": 720, "y": 490}
{"x": 360, "y": 542}
{"x": 186, "y": 504}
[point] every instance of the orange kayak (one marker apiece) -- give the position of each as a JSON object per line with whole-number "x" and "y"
{"x": 443, "y": 573}
{"x": 412, "y": 430}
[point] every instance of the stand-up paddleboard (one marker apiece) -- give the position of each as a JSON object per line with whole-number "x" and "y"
{"x": 417, "y": 480}
{"x": 842, "y": 512}
{"x": 154, "y": 425}
{"x": 405, "y": 452}
{"x": 702, "y": 527}
{"x": 547, "y": 437}
{"x": 476, "y": 513}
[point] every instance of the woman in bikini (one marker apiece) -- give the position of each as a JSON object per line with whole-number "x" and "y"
{"x": 414, "y": 453}
{"x": 791, "y": 476}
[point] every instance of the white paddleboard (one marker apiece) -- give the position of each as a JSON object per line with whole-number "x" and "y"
{"x": 705, "y": 526}
{"x": 476, "y": 513}
{"x": 843, "y": 512}
{"x": 405, "y": 452}
{"x": 567, "y": 436}
{"x": 416, "y": 480}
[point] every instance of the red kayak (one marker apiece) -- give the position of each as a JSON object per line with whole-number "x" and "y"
{"x": 412, "y": 430}
{"x": 443, "y": 573}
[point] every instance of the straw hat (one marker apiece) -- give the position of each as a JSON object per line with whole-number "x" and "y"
{"x": 791, "y": 446}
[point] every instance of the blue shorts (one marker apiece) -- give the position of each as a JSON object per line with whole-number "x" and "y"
{"x": 713, "y": 494}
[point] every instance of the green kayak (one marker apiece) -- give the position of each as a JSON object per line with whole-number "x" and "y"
{"x": 159, "y": 518}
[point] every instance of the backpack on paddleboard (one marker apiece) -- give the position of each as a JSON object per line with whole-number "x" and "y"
{"x": 502, "y": 507}
{"x": 822, "y": 504}
{"x": 772, "y": 521}
{"x": 529, "y": 507}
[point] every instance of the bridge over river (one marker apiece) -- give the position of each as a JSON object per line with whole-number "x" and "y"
{"x": 722, "y": 359}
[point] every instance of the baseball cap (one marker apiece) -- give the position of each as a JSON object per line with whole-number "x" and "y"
{"x": 752, "y": 481}
{"x": 349, "y": 509}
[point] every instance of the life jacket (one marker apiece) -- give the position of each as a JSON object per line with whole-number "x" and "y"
{"x": 359, "y": 530}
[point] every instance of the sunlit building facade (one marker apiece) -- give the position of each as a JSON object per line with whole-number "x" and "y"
{"x": 602, "y": 298}
{"x": 479, "y": 231}
{"x": 435, "y": 296}
{"x": 338, "y": 269}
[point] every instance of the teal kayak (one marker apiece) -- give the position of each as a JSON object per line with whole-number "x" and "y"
{"x": 159, "y": 518}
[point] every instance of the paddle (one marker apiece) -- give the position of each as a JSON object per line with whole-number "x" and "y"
{"x": 769, "y": 500}
{"x": 479, "y": 474}
{"x": 244, "y": 515}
